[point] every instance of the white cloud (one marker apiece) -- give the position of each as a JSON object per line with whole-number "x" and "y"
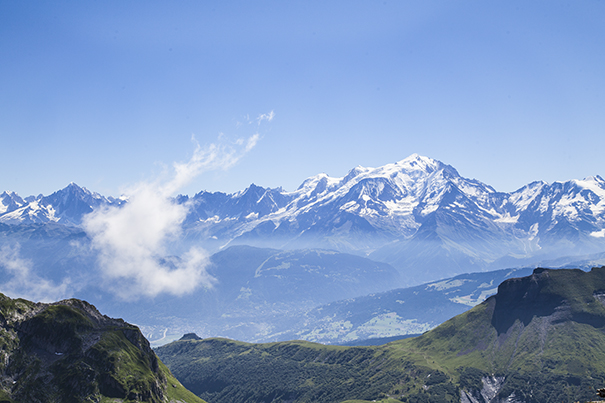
{"x": 132, "y": 240}
{"x": 24, "y": 283}
{"x": 251, "y": 142}
{"x": 265, "y": 116}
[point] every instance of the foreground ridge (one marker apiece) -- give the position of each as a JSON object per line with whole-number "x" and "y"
{"x": 69, "y": 352}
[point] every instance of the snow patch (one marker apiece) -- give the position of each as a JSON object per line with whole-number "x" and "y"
{"x": 507, "y": 219}
{"x": 533, "y": 231}
{"x": 470, "y": 300}
{"x": 598, "y": 234}
{"x": 444, "y": 285}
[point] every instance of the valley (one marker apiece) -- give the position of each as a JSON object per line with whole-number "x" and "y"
{"x": 539, "y": 339}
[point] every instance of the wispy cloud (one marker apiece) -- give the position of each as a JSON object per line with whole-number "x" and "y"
{"x": 259, "y": 119}
{"x": 132, "y": 240}
{"x": 24, "y": 283}
{"x": 265, "y": 116}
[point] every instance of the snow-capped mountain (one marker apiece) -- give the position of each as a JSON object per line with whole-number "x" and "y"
{"x": 417, "y": 214}
{"x": 66, "y": 206}
{"x": 10, "y": 201}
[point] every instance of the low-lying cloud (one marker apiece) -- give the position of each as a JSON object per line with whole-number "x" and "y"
{"x": 24, "y": 283}
{"x": 132, "y": 240}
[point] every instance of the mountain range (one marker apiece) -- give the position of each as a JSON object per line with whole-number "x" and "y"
{"x": 418, "y": 214}
{"x": 66, "y": 206}
{"x": 298, "y": 264}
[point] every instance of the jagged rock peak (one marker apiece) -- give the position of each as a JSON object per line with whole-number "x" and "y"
{"x": 73, "y": 189}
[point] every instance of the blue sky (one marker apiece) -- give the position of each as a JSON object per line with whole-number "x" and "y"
{"x": 107, "y": 94}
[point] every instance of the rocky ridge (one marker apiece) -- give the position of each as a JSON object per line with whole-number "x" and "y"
{"x": 69, "y": 352}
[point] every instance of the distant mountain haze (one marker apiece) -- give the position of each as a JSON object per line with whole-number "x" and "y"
{"x": 418, "y": 215}
{"x": 258, "y": 259}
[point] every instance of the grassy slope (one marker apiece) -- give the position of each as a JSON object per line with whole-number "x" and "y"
{"x": 175, "y": 391}
{"x": 68, "y": 352}
{"x": 545, "y": 335}
{"x": 571, "y": 333}
{"x": 224, "y": 370}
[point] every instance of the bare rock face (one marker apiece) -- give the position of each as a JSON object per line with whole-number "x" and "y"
{"x": 69, "y": 352}
{"x": 522, "y": 299}
{"x": 557, "y": 296}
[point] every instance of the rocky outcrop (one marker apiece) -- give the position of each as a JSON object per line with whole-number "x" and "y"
{"x": 568, "y": 296}
{"x": 489, "y": 393}
{"x": 69, "y": 352}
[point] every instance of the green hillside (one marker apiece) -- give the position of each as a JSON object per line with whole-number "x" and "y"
{"x": 68, "y": 352}
{"x": 222, "y": 370}
{"x": 540, "y": 339}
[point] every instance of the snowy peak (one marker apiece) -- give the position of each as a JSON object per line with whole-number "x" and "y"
{"x": 523, "y": 197}
{"x": 317, "y": 182}
{"x": 66, "y": 206}
{"x": 73, "y": 193}
{"x": 595, "y": 184}
{"x": 256, "y": 201}
{"x": 568, "y": 209}
{"x": 390, "y": 190}
{"x": 399, "y": 204}
{"x": 252, "y": 203}
{"x": 10, "y": 201}
{"x": 419, "y": 163}
{"x": 315, "y": 188}
{"x": 71, "y": 203}
{"x": 354, "y": 173}
{"x": 406, "y": 171}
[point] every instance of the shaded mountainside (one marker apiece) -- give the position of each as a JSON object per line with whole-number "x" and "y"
{"x": 68, "y": 352}
{"x": 541, "y": 338}
{"x": 553, "y": 320}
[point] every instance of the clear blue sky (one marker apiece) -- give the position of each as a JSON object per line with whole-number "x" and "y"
{"x": 103, "y": 93}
